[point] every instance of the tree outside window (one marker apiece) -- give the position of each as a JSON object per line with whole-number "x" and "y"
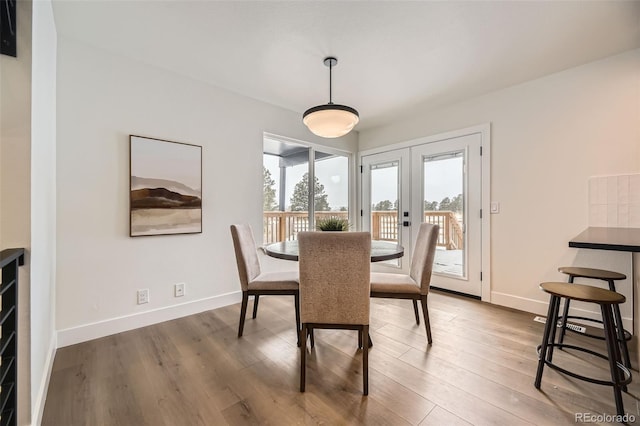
{"x": 300, "y": 197}
{"x": 385, "y": 205}
{"x": 446, "y": 204}
{"x": 269, "y": 194}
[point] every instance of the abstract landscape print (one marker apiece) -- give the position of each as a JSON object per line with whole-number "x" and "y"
{"x": 166, "y": 187}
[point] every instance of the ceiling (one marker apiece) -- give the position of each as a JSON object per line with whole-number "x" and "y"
{"x": 393, "y": 56}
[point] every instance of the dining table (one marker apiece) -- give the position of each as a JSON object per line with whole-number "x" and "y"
{"x": 380, "y": 250}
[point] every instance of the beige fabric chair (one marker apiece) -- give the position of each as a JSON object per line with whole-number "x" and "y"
{"x": 414, "y": 286}
{"x": 254, "y": 282}
{"x": 334, "y": 288}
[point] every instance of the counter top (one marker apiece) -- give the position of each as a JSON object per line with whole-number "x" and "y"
{"x": 618, "y": 239}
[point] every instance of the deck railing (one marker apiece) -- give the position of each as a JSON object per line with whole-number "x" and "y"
{"x": 451, "y": 236}
{"x": 284, "y": 226}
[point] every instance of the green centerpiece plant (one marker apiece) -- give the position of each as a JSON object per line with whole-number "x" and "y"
{"x": 332, "y": 224}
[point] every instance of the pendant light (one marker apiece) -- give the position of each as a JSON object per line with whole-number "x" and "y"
{"x": 330, "y": 120}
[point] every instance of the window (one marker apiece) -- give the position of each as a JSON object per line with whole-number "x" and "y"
{"x": 298, "y": 192}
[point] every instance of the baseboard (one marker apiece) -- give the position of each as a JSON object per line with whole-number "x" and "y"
{"x": 37, "y": 409}
{"x": 540, "y": 308}
{"x": 519, "y": 303}
{"x": 83, "y": 333}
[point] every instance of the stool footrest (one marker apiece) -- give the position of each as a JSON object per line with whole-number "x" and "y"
{"x": 625, "y": 370}
{"x": 627, "y": 335}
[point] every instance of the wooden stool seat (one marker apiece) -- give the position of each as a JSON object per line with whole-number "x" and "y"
{"x": 583, "y": 293}
{"x": 598, "y": 274}
{"x": 608, "y": 301}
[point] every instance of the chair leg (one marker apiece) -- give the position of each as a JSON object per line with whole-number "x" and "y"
{"x": 311, "y": 338}
{"x": 256, "y": 299}
{"x": 565, "y": 314}
{"x": 361, "y": 339}
{"x": 365, "y": 362}
{"x": 554, "y": 304}
{"x": 617, "y": 318}
{"x": 620, "y": 330}
{"x": 297, "y": 307}
{"x": 303, "y": 356}
{"x": 563, "y": 324}
{"x": 425, "y": 312}
{"x": 554, "y": 327}
{"x": 415, "y": 311}
{"x": 614, "y": 356}
{"x": 243, "y": 312}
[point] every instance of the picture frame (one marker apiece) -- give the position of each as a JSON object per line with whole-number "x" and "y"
{"x": 165, "y": 187}
{"x": 8, "y": 30}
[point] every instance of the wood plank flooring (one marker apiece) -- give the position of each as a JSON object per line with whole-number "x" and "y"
{"x": 195, "y": 371}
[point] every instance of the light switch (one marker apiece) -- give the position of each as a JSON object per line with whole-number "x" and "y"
{"x": 495, "y": 207}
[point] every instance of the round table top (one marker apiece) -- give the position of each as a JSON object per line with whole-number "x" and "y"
{"x": 380, "y": 250}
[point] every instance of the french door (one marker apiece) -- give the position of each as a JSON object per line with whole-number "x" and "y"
{"x": 438, "y": 182}
{"x": 386, "y": 194}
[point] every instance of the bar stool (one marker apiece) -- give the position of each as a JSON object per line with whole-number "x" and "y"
{"x": 607, "y": 300}
{"x": 609, "y": 277}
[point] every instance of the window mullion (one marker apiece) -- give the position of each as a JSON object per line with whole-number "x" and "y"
{"x": 312, "y": 189}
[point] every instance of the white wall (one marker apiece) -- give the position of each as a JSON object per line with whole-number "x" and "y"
{"x": 43, "y": 203}
{"x": 15, "y": 151}
{"x": 102, "y": 98}
{"x": 548, "y": 137}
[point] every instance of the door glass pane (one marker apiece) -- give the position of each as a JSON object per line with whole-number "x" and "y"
{"x": 384, "y": 201}
{"x": 331, "y": 198}
{"x": 443, "y": 202}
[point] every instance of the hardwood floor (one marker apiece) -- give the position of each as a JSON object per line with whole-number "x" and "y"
{"x": 195, "y": 371}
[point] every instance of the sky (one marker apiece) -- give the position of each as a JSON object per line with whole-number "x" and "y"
{"x": 442, "y": 178}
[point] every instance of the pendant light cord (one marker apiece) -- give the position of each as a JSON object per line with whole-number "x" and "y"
{"x": 330, "y": 66}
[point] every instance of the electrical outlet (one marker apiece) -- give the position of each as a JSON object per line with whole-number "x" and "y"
{"x": 179, "y": 289}
{"x": 143, "y": 296}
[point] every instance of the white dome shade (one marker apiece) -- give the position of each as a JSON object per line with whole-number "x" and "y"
{"x": 330, "y": 120}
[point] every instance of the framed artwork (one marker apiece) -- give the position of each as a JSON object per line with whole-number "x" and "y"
{"x": 165, "y": 187}
{"x": 8, "y": 31}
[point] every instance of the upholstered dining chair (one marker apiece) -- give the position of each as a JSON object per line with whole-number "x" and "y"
{"x": 414, "y": 286}
{"x": 334, "y": 288}
{"x": 256, "y": 283}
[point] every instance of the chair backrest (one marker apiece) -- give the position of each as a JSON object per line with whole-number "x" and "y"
{"x": 334, "y": 277}
{"x": 246, "y": 254}
{"x": 423, "y": 255}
